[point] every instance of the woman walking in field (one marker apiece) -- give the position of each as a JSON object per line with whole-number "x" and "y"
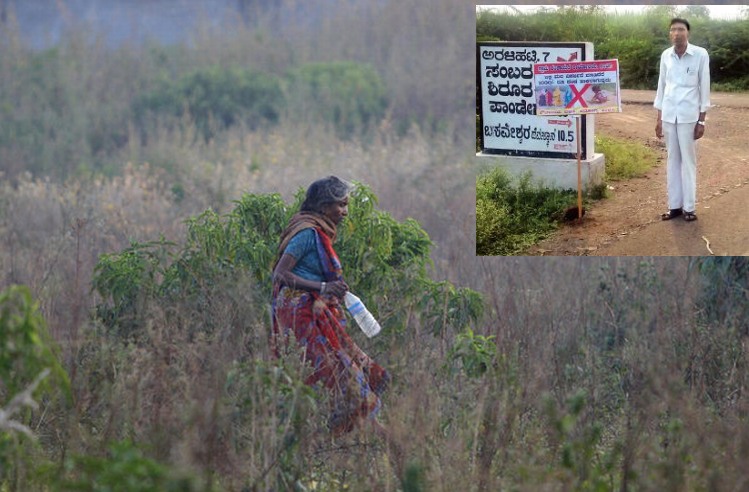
{"x": 308, "y": 289}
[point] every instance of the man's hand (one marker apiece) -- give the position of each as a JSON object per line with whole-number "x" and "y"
{"x": 699, "y": 131}
{"x": 659, "y": 129}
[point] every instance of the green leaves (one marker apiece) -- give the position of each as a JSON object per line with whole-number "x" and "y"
{"x": 512, "y": 215}
{"x": 126, "y": 469}
{"x": 475, "y": 352}
{"x": 724, "y": 290}
{"x": 27, "y": 355}
{"x": 26, "y": 348}
{"x": 216, "y": 98}
{"x": 625, "y": 160}
{"x": 385, "y": 262}
{"x": 126, "y": 281}
{"x": 349, "y": 96}
{"x": 590, "y": 466}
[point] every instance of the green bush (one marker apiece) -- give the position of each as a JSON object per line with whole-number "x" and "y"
{"x": 26, "y": 352}
{"x": 476, "y": 353}
{"x": 737, "y": 85}
{"x": 261, "y": 391}
{"x": 727, "y": 42}
{"x": 124, "y": 469}
{"x": 385, "y": 261}
{"x": 26, "y": 348}
{"x": 510, "y": 217}
{"x": 724, "y": 296}
{"x": 351, "y": 97}
{"x": 129, "y": 279}
{"x": 215, "y": 99}
{"x": 588, "y": 464}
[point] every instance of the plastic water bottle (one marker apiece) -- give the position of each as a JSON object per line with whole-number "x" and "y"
{"x": 361, "y": 314}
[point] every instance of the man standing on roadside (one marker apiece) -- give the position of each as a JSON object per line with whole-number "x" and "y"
{"x": 682, "y": 100}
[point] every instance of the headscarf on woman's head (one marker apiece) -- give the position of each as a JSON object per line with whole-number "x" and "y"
{"x": 321, "y": 192}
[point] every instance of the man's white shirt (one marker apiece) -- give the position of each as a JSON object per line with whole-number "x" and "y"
{"x": 683, "y": 85}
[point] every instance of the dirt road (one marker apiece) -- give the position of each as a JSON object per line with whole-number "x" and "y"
{"x": 628, "y": 222}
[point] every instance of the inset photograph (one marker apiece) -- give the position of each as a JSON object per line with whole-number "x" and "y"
{"x": 611, "y": 130}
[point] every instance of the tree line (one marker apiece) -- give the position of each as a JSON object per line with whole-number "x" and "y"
{"x": 635, "y": 39}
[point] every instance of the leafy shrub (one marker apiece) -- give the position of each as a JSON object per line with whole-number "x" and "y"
{"x": 724, "y": 296}
{"x": 737, "y": 85}
{"x": 26, "y": 348}
{"x": 274, "y": 397}
{"x": 385, "y": 261}
{"x": 124, "y": 469}
{"x": 579, "y": 442}
{"x": 511, "y": 217}
{"x": 490, "y": 220}
{"x": 349, "y": 96}
{"x": 724, "y": 40}
{"x": 475, "y": 352}
{"x": 215, "y": 98}
{"x": 129, "y": 279}
{"x": 26, "y": 352}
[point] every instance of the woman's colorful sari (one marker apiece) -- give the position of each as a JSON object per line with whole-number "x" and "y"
{"x": 318, "y": 324}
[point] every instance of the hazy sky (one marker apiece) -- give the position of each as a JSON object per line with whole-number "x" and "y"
{"x": 716, "y": 11}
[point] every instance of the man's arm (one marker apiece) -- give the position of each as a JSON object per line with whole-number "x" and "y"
{"x": 659, "y": 126}
{"x": 704, "y": 74}
{"x": 658, "y": 103}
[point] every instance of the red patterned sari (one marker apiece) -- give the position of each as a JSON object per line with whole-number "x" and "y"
{"x": 355, "y": 381}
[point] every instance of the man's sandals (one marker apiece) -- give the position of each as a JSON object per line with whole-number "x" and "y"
{"x": 675, "y": 212}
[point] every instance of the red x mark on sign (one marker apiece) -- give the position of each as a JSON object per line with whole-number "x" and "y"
{"x": 578, "y": 96}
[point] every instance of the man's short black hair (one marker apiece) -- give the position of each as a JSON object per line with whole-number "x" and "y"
{"x": 677, "y": 20}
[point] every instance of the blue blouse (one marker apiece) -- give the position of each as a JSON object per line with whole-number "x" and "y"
{"x": 303, "y": 247}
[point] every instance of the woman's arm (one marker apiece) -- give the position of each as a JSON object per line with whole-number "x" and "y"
{"x": 284, "y": 275}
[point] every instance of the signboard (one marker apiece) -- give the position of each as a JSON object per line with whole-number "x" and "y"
{"x": 574, "y": 88}
{"x": 506, "y": 101}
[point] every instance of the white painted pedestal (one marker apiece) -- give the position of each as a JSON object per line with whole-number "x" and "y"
{"x": 555, "y": 173}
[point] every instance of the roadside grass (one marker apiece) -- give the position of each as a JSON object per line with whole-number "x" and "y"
{"x": 625, "y": 159}
{"x": 739, "y": 85}
{"x": 513, "y": 214}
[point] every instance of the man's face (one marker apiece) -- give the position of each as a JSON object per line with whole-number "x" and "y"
{"x": 679, "y": 34}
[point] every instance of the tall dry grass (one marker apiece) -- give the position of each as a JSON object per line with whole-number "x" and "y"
{"x": 605, "y": 375}
{"x": 663, "y": 389}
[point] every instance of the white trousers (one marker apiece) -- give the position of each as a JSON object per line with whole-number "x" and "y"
{"x": 681, "y": 168}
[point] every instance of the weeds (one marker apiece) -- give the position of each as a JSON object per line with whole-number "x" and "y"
{"x": 625, "y": 160}
{"x": 584, "y": 374}
{"x": 511, "y": 217}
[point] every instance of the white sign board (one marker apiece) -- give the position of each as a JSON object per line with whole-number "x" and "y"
{"x": 507, "y": 104}
{"x": 569, "y": 88}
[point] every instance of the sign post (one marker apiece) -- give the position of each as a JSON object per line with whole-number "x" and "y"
{"x": 579, "y": 173}
{"x": 577, "y": 88}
